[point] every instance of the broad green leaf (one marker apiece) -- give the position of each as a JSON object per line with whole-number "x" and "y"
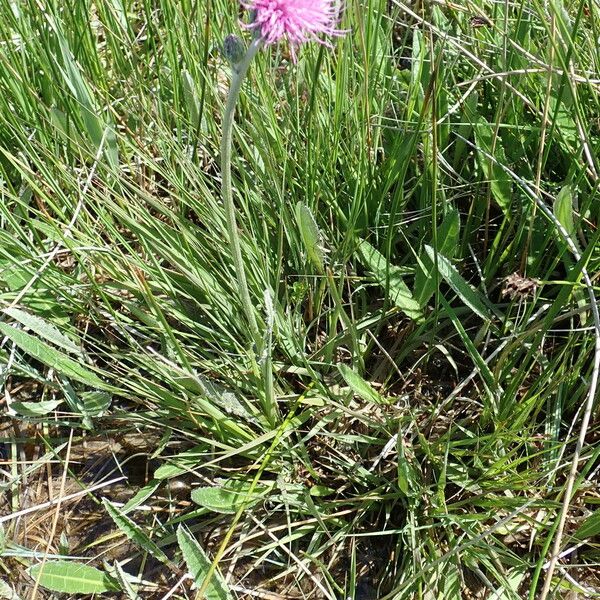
{"x": 514, "y": 580}
{"x": 454, "y": 279}
{"x": 72, "y": 578}
{"x": 51, "y": 357}
{"x": 132, "y": 531}
{"x": 500, "y": 181}
{"x": 448, "y": 233}
{"x": 61, "y": 123}
{"x": 218, "y": 499}
{"x": 14, "y": 276}
{"x": 95, "y": 403}
{"x": 320, "y": 491}
{"x": 358, "y": 385}
{"x": 198, "y": 565}
{"x": 565, "y": 26}
{"x": 563, "y": 209}
{"x": 399, "y": 292}
{"x": 228, "y": 498}
{"x": 43, "y": 329}
{"x": 311, "y": 236}
{"x": 463, "y": 129}
{"x": 75, "y": 403}
{"x": 562, "y": 109}
{"x": 35, "y": 409}
{"x": 590, "y": 527}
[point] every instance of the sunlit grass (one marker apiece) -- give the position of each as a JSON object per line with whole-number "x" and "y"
{"x": 430, "y": 375}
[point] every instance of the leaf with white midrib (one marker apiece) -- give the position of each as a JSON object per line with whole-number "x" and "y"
{"x": 44, "y": 329}
{"x": 72, "y": 578}
{"x": 133, "y": 532}
{"x": 198, "y": 565}
{"x": 50, "y": 356}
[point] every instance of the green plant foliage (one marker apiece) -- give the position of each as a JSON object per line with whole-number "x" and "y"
{"x": 198, "y": 565}
{"x": 403, "y": 421}
{"x": 133, "y": 532}
{"x": 72, "y": 578}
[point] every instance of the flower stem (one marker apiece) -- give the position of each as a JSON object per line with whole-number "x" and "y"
{"x": 262, "y": 350}
{"x": 239, "y": 73}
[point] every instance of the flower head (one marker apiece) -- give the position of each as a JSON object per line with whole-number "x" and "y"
{"x": 297, "y": 21}
{"x": 233, "y": 49}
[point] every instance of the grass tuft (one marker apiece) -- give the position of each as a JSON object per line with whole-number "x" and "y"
{"x": 417, "y": 211}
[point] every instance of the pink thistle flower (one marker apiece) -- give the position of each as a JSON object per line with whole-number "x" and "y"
{"x": 298, "y": 21}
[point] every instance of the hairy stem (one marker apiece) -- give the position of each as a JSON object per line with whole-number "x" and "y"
{"x": 239, "y": 74}
{"x": 263, "y": 353}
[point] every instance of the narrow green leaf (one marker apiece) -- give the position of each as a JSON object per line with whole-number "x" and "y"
{"x": 72, "y": 578}
{"x": 51, "y": 357}
{"x": 100, "y": 133}
{"x": 452, "y": 585}
{"x": 480, "y": 364}
{"x": 590, "y": 527}
{"x": 404, "y": 474}
{"x": 191, "y": 97}
{"x": 464, "y": 128}
{"x": 124, "y": 581}
{"x": 454, "y": 279}
{"x": 141, "y": 495}
{"x": 198, "y": 565}
{"x": 311, "y": 236}
{"x": 182, "y": 462}
{"x": 358, "y": 385}
{"x": 500, "y": 181}
{"x": 400, "y": 295}
{"x": 419, "y": 55}
{"x": 217, "y": 395}
{"x": 460, "y": 476}
{"x": 43, "y": 329}
{"x": 120, "y": 13}
{"x": 448, "y": 234}
{"x": 563, "y": 209}
{"x": 133, "y": 532}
